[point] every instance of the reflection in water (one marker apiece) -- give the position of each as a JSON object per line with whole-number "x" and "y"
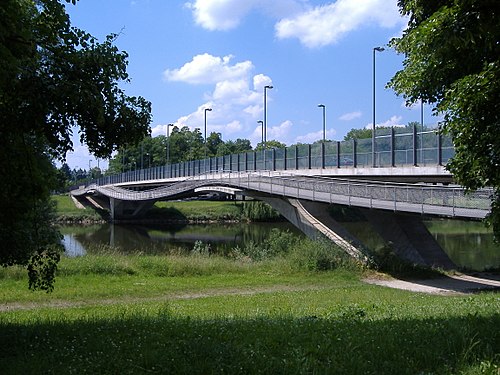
{"x": 468, "y": 244}
{"x": 158, "y": 239}
{"x": 72, "y": 247}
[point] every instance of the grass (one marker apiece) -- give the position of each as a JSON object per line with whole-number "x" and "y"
{"x": 203, "y": 314}
{"x": 67, "y": 211}
{"x": 199, "y": 210}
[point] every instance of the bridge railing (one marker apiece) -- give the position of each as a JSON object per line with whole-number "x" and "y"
{"x": 392, "y": 149}
{"x": 452, "y": 201}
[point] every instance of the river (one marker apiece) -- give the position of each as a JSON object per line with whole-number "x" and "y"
{"x": 468, "y": 244}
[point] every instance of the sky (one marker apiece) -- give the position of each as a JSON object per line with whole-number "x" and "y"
{"x": 188, "y": 55}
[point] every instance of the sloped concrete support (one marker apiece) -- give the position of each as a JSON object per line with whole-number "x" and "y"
{"x": 409, "y": 237}
{"x": 315, "y": 222}
{"x": 128, "y": 209}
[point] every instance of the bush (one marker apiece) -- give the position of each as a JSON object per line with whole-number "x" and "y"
{"x": 309, "y": 255}
{"x": 259, "y": 211}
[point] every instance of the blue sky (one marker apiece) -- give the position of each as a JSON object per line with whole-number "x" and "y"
{"x": 188, "y": 55}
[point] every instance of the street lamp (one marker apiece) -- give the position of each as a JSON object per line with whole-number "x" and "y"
{"x": 324, "y": 121}
{"x": 265, "y": 114}
{"x": 168, "y": 143}
{"x": 205, "y": 162}
{"x": 375, "y": 49}
{"x": 261, "y": 130}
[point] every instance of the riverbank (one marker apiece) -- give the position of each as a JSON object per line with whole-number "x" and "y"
{"x": 202, "y": 314}
{"x": 185, "y": 212}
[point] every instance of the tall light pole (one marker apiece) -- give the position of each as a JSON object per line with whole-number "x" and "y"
{"x": 375, "y": 49}
{"x": 206, "y": 148}
{"x": 261, "y": 130}
{"x": 265, "y": 113}
{"x": 168, "y": 143}
{"x": 324, "y": 121}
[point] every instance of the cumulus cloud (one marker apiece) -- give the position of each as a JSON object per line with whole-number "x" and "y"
{"x": 350, "y": 116}
{"x": 279, "y": 132}
{"x": 315, "y": 136}
{"x": 206, "y": 69}
{"x": 327, "y": 24}
{"x": 225, "y": 15}
{"x": 236, "y": 99}
{"x": 393, "y": 121}
{"x": 313, "y": 26}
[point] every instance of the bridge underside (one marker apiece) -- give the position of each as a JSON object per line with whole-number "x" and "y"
{"x": 405, "y": 234}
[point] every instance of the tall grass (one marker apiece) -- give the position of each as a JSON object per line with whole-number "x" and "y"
{"x": 259, "y": 211}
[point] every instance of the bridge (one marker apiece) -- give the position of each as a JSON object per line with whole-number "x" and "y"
{"x": 405, "y": 182}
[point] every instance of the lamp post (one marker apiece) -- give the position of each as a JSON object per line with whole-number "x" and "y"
{"x": 375, "y": 49}
{"x": 265, "y": 114}
{"x": 261, "y": 130}
{"x": 324, "y": 121}
{"x": 206, "y": 148}
{"x": 168, "y": 143}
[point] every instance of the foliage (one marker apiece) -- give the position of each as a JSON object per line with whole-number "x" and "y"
{"x": 54, "y": 79}
{"x": 269, "y": 144}
{"x": 357, "y": 133}
{"x": 452, "y": 62}
{"x": 259, "y": 211}
{"x": 182, "y": 145}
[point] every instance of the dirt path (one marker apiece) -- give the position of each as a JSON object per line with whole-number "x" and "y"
{"x": 166, "y": 297}
{"x": 446, "y": 285}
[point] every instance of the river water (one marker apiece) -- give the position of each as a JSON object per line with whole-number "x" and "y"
{"x": 468, "y": 244}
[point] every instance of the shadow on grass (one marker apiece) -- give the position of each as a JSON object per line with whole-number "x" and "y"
{"x": 347, "y": 342}
{"x": 165, "y": 213}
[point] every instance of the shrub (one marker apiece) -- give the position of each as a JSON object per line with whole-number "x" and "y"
{"x": 317, "y": 255}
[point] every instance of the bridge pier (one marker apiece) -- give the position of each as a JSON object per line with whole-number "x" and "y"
{"x": 410, "y": 238}
{"x": 406, "y": 233}
{"x": 121, "y": 209}
{"x": 314, "y": 221}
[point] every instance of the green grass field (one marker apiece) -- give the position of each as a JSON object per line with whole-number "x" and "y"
{"x": 202, "y": 314}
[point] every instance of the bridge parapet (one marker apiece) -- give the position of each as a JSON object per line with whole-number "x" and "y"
{"x": 394, "y": 151}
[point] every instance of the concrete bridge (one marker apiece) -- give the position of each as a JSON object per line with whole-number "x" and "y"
{"x": 393, "y": 198}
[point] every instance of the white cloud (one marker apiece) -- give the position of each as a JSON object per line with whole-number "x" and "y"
{"x": 280, "y": 131}
{"x": 313, "y": 26}
{"x": 236, "y": 99}
{"x": 225, "y": 15}
{"x": 350, "y": 116}
{"x": 315, "y": 136}
{"x": 261, "y": 80}
{"x": 207, "y": 69}
{"x": 327, "y": 24}
{"x": 393, "y": 121}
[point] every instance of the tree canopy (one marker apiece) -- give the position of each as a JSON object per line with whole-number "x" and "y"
{"x": 452, "y": 61}
{"x": 54, "y": 78}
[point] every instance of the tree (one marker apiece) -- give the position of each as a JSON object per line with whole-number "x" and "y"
{"x": 356, "y": 133}
{"x": 214, "y": 140}
{"x": 452, "y": 61}
{"x": 269, "y": 145}
{"x": 234, "y": 147}
{"x": 53, "y": 78}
